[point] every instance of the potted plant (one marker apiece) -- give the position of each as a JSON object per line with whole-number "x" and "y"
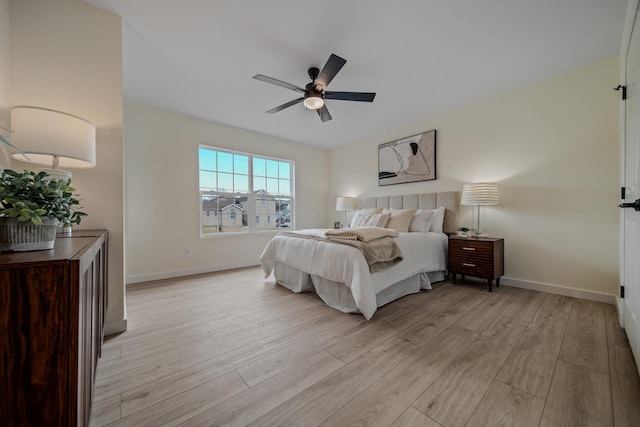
{"x": 32, "y": 206}
{"x": 462, "y": 231}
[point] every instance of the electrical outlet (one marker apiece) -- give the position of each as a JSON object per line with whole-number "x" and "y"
{"x": 187, "y": 251}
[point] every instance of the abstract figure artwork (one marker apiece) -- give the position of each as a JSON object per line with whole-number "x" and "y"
{"x": 408, "y": 159}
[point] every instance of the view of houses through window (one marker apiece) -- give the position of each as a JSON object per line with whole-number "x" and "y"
{"x": 235, "y": 187}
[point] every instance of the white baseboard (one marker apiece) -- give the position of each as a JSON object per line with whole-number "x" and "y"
{"x": 189, "y": 272}
{"x": 115, "y": 327}
{"x": 560, "y": 290}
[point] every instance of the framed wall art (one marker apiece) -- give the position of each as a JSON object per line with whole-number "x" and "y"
{"x": 408, "y": 159}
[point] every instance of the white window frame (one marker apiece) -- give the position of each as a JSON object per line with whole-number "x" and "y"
{"x": 252, "y": 226}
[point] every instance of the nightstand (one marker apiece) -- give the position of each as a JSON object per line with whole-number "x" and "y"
{"x": 477, "y": 256}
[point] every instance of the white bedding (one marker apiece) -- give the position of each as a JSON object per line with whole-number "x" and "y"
{"x": 423, "y": 252}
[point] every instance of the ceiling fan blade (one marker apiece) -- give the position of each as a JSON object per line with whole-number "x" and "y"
{"x": 330, "y": 69}
{"x": 277, "y": 82}
{"x": 351, "y": 96}
{"x": 285, "y": 105}
{"x": 323, "y": 112}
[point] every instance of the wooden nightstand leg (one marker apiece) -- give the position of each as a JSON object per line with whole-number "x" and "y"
{"x": 498, "y": 282}
{"x": 490, "y": 285}
{"x": 453, "y": 277}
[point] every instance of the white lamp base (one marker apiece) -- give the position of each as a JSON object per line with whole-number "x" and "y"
{"x": 57, "y": 174}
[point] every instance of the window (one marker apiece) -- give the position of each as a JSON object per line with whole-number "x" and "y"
{"x": 246, "y": 186}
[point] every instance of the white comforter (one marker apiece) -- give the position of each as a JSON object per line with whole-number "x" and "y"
{"x": 423, "y": 252}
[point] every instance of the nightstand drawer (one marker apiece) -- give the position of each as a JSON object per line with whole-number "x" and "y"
{"x": 471, "y": 247}
{"x": 477, "y": 266}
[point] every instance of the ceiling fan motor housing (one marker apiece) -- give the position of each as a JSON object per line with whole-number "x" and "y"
{"x": 311, "y": 90}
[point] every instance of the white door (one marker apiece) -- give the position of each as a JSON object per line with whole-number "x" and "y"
{"x": 631, "y": 176}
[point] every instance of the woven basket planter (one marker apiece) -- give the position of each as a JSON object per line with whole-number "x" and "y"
{"x": 26, "y": 236}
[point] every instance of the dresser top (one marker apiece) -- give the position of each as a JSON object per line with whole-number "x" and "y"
{"x": 66, "y": 247}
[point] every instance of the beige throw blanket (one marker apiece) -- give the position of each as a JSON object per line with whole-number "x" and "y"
{"x": 363, "y": 234}
{"x": 376, "y": 244}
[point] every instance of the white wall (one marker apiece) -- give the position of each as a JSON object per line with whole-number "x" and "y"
{"x": 162, "y": 199}
{"x": 552, "y": 147}
{"x": 67, "y": 55}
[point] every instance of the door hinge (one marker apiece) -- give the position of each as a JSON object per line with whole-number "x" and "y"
{"x": 624, "y": 91}
{"x": 623, "y": 193}
{"x": 621, "y": 291}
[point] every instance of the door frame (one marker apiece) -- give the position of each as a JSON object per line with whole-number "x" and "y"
{"x": 630, "y": 17}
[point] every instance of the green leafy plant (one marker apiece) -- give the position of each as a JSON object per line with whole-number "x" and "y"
{"x": 463, "y": 229}
{"x": 30, "y": 196}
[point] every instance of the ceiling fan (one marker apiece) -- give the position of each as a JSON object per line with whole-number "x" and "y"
{"x": 314, "y": 92}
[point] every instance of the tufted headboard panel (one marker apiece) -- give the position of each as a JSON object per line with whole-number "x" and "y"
{"x": 449, "y": 199}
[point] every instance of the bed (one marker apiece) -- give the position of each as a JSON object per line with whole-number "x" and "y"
{"x": 339, "y": 273}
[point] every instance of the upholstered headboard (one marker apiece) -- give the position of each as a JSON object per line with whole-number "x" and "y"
{"x": 449, "y": 199}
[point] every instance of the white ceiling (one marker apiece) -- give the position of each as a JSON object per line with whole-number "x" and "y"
{"x": 421, "y": 57}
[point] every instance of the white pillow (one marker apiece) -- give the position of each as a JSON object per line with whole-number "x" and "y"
{"x": 359, "y": 212}
{"x": 373, "y": 220}
{"x": 421, "y": 221}
{"x": 438, "y": 220}
{"x": 399, "y": 219}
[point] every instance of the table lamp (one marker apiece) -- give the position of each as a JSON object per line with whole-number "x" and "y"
{"x": 50, "y": 137}
{"x": 479, "y": 194}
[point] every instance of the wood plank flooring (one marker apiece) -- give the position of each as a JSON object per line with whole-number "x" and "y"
{"x": 233, "y": 349}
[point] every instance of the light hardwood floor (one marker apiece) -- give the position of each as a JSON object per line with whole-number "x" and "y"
{"x": 231, "y": 349}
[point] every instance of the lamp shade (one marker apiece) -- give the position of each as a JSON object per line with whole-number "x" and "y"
{"x": 43, "y": 134}
{"x": 480, "y": 194}
{"x": 344, "y": 203}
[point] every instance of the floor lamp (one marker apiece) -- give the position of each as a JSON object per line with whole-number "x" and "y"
{"x": 479, "y": 194}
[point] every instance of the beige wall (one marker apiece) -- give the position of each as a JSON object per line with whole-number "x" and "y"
{"x": 67, "y": 55}
{"x": 552, "y": 147}
{"x": 5, "y": 74}
{"x": 162, "y": 206}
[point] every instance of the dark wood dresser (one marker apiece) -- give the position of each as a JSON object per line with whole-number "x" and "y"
{"x": 477, "y": 256}
{"x": 52, "y": 308}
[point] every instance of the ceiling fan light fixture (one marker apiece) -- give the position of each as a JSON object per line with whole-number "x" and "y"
{"x": 313, "y": 102}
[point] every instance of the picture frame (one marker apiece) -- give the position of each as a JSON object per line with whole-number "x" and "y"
{"x": 409, "y": 159}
